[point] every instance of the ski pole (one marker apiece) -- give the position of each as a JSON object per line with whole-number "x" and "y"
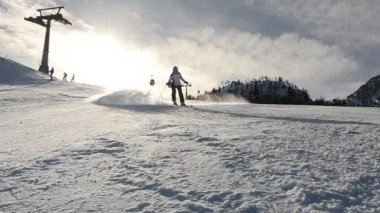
{"x": 163, "y": 90}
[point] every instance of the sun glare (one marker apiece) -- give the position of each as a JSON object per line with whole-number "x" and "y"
{"x": 104, "y": 60}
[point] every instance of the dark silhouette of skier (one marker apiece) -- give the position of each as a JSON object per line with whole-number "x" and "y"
{"x": 72, "y": 78}
{"x": 51, "y": 73}
{"x": 64, "y": 76}
{"x": 175, "y": 83}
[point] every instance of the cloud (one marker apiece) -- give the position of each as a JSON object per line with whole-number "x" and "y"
{"x": 351, "y": 25}
{"x": 17, "y": 37}
{"x": 340, "y": 21}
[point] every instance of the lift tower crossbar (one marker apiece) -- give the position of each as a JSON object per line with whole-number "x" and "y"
{"x": 45, "y": 21}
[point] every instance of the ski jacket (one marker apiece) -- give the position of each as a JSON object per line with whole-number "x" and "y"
{"x": 175, "y": 79}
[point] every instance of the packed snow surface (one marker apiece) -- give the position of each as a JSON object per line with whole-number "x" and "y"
{"x": 61, "y": 150}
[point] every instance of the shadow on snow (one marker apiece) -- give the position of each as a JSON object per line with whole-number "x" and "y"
{"x": 292, "y": 119}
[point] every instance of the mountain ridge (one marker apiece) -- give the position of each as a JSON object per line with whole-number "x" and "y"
{"x": 367, "y": 95}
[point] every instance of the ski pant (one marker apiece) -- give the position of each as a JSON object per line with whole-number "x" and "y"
{"x": 179, "y": 88}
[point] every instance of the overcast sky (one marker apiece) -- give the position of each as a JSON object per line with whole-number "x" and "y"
{"x": 329, "y": 47}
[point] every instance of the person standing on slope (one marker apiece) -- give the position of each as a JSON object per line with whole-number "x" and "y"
{"x": 175, "y": 83}
{"x": 51, "y": 73}
{"x": 64, "y": 76}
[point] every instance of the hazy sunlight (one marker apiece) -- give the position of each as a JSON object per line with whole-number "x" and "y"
{"x": 104, "y": 60}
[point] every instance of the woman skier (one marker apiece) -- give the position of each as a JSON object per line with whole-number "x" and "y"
{"x": 175, "y": 83}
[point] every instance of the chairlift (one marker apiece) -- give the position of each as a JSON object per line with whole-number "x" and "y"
{"x": 152, "y": 82}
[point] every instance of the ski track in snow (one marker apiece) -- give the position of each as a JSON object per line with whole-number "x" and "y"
{"x": 61, "y": 153}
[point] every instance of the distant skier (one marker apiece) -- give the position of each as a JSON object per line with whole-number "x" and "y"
{"x": 175, "y": 83}
{"x": 64, "y": 76}
{"x": 51, "y": 73}
{"x": 72, "y": 78}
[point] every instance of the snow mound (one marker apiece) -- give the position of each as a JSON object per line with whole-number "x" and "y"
{"x": 131, "y": 99}
{"x": 14, "y": 73}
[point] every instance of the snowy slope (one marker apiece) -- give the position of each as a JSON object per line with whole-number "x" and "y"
{"x": 61, "y": 150}
{"x": 15, "y": 73}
